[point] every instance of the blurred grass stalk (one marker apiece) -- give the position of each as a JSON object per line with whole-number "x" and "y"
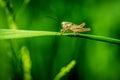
{"x": 25, "y": 57}
{"x": 65, "y": 70}
{"x": 26, "y": 61}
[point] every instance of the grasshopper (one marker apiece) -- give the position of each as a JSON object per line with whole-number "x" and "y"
{"x": 68, "y": 26}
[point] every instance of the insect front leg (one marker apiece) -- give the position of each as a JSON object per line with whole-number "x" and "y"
{"x": 62, "y": 31}
{"x": 74, "y": 30}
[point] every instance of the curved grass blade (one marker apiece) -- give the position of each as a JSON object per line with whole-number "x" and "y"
{"x": 97, "y": 38}
{"x": 10, "y": 34}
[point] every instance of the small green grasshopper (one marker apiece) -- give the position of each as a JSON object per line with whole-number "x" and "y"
{"x": 68, "y": 26}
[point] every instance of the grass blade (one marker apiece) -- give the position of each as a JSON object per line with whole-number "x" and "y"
{"x": 97, "y": 38}
{"x": 10, "y": 34}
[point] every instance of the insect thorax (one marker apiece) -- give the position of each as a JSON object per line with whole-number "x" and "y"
{"x": 67, "y": 24}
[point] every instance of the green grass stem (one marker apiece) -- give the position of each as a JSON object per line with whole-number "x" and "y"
{"x": 11, "y": 34}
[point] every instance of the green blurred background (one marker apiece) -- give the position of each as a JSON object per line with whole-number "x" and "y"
{"x": 41, "y": 58}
